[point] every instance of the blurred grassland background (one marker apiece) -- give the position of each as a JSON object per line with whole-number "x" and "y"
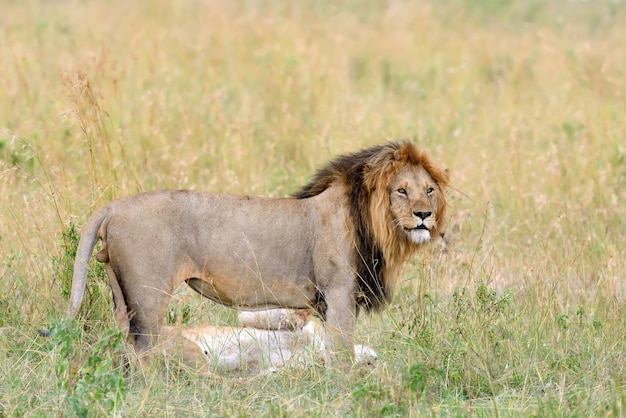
{"x": 521, "y": 312}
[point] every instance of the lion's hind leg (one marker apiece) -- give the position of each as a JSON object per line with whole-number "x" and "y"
{"x": 141, "y": 295}
{"x": 120, "y": 310}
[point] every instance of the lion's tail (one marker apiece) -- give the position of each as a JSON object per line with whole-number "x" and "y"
{"x": 88, "y": 239}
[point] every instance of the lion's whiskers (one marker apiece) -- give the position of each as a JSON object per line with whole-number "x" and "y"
{"x": 397, "y": 223}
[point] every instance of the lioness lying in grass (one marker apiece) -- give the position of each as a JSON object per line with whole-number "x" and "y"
{"x": 266, "y": 341}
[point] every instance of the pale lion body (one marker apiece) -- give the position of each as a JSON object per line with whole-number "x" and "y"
{"x": 267, "y": 340}
{"x": 334, "y": 248}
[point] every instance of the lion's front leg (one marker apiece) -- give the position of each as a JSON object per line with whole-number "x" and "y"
{"x": 339, "y": 326}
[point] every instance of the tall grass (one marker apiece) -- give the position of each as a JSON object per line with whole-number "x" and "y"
{"x": 522, "y": 312}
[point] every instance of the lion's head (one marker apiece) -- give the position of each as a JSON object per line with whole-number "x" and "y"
{"x": 397, "y": 202}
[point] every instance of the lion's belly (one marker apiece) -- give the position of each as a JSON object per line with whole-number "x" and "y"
{"x": 257, "y": 259}
{"x": 250, "y": 293}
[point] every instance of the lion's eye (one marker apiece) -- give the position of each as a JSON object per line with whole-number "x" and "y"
{"x": 402, "y": 191}
{"x": 429, "y": 191}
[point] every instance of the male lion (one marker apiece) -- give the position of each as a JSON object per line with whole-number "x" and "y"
{"x": 335, "y": 247}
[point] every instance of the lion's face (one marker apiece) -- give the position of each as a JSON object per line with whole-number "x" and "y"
{"x": 415, "y": 199}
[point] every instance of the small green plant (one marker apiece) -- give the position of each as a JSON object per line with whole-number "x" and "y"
{"x": 88, "y": 382}
{"x": 377, "y": 400}
{"x": 16, "y": 152}
{"x": 417, "y": 378}
{"x": 417, "y": 321}
{"x": 178, "y": 315}
{"x": 64, "y": 263}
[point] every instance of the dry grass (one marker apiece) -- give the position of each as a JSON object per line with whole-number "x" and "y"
{"x": 525, "y": 102}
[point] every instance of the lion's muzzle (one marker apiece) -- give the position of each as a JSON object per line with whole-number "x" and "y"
{"x": 420, "y": 233}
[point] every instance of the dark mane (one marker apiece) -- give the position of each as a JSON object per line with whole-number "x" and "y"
{"x": 350, "y": 170}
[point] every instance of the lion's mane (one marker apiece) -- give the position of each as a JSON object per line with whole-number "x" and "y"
{"x": 381, "y": 250}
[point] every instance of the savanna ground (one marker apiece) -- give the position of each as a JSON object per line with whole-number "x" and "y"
{"x": 522, "y": 313}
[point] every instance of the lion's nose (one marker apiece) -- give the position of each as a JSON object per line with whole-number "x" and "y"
{"x": 422, "y": 215}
